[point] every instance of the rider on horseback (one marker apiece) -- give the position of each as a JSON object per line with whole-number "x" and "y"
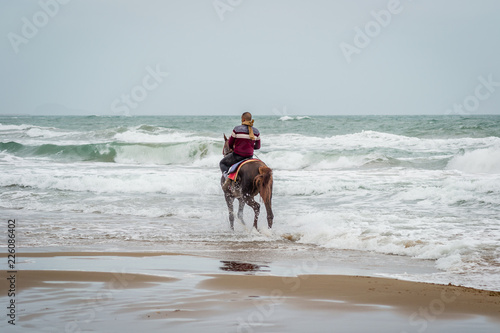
{"x": 244, "y": 139}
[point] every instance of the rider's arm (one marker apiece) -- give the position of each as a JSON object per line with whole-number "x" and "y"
{"x": 256, "y": 145}
{"x": 231, "y": 140}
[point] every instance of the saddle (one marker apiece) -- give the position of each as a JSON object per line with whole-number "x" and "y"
{"x": 235, "y": 168}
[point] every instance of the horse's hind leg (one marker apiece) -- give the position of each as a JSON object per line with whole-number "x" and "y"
{"x": 229, "y": 201}
{"x": 270, "y": 215}
{"x": 240, "y": 210}
{"x": 256, "y": 208}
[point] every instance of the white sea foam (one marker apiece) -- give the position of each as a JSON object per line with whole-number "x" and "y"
{"x": 383, "y": 233}
{"x": 372, "y": 139}
{"x": 22, "y": 127}
{"x": 477, "y": 161}
{"x": 48, "y": 133}
{"x": 119, "y": 180}
{"x": 431, "y": 199}
{"x": 136, "y": 135}
{"x": 287, "y": 118}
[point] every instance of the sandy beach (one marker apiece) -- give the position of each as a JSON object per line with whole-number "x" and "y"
{"x": 175, "y": 292}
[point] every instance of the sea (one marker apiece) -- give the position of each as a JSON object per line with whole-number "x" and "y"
{"x": 374, "y": 190}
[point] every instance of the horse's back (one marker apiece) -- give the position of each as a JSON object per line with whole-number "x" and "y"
{"x": 251, "y": 169}
{"x": 247, "y": 175}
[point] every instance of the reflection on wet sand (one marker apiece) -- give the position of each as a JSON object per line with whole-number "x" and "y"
{"x": 236, "y": 266}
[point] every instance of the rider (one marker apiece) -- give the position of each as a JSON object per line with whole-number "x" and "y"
{"x": 244, "y": 139}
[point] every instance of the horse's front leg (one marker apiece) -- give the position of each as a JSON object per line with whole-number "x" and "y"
{"x": 229, "y": 201}
{"x": 240, "y": 210}
{"x": 256, "y": 208}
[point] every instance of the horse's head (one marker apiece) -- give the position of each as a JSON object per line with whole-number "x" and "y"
{"x": 226, "y": 150}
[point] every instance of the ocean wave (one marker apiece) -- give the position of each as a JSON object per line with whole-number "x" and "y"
{"x": 373, "y": 139}
{"x": 33, "y": 131}
{"x": 152, "y": 134}
{"x": 189, "y": 153}
{"x": 143, "y": 133}
{"x": 30, "y": 135}
{"x": 460, "y": 251}
{"x": 125, "y": 181}
{"x": 150, "y": 144}
{"x": 477, "y": 161}
{"x": 333, "y": 160}
{"x": 198, "y": 151}
{"x": 22, "y": 127}
{"x": 73, "y": 153}
{"x": 287, "y": 118}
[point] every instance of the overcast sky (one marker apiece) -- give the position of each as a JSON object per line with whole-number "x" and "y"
{"x": 206, "y": 57}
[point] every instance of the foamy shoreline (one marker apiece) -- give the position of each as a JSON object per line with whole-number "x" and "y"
{"x": 424, "y": 188}
{"x": 100, "y": 291}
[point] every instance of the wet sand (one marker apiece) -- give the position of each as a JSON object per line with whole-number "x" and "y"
{"x": 122, "y": 292}
{"x": 402, "y": 296}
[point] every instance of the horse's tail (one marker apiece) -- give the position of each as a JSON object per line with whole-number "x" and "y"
{"x": 264, "y": 182}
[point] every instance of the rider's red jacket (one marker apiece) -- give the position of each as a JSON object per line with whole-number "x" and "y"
{"x": 241, "y": 143}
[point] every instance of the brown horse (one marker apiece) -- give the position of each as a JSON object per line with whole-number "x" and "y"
{"x": 253, "y": 178}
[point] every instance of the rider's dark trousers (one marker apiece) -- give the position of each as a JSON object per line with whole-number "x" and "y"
{"x": 229, "y": 160}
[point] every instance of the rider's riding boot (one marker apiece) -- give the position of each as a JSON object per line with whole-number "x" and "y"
{"x": 227, "y": 183}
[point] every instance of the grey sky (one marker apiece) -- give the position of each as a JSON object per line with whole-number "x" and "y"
{"x": 303, "y": 56}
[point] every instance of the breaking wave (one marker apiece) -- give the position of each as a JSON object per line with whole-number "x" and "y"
{"x": 477, "y": 161}
{"x": 148, "y": 144}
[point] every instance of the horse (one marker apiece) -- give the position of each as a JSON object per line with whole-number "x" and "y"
{"x": 254, "y": 177}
